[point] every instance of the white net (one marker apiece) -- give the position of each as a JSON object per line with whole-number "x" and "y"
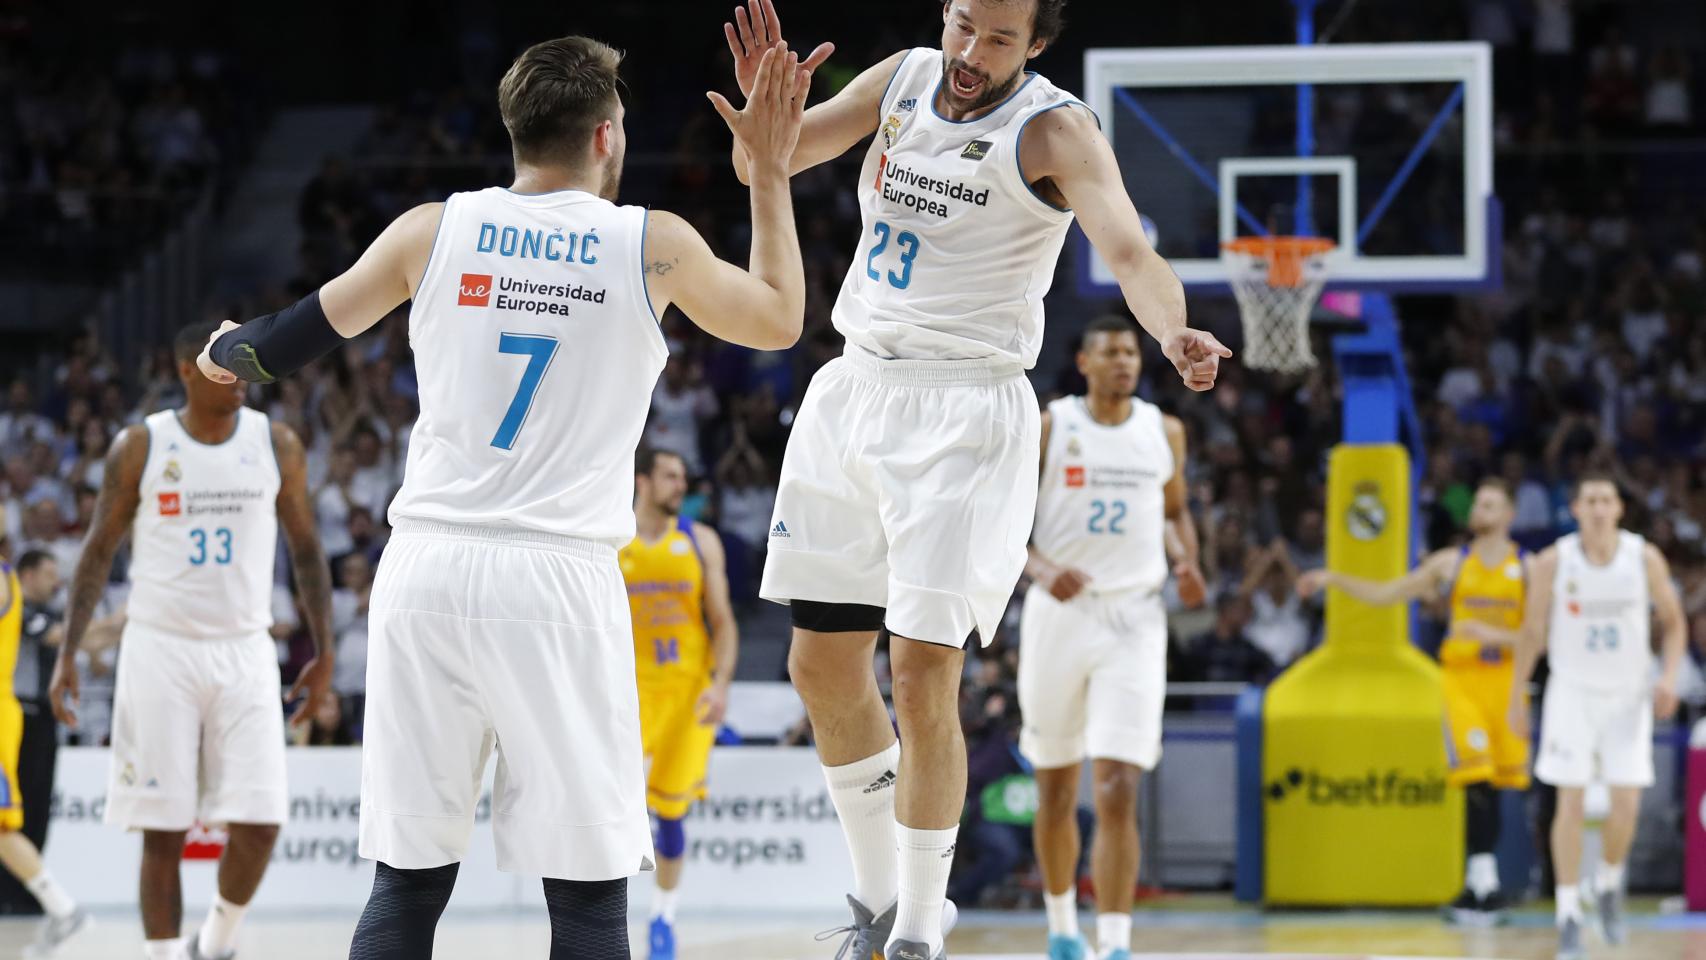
{"x": 1277, "y": 281}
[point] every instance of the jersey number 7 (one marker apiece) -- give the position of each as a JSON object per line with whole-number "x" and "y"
{"x": 539, "y": 350}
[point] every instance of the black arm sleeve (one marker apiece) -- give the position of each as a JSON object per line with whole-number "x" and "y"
{"x": 278, "y": 344}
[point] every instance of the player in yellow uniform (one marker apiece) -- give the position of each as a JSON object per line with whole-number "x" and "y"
{"x": 17, "y": 853}
{"x": 1487, "y": 579}
{"x": 685, "y": 646}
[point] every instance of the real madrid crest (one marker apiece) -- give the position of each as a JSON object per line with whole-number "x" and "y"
{"x": 891, "y": 130}
{"x": 173, "y": 473}
{"x": 1366, "y": 517}
{"x": 1073, "y": 447}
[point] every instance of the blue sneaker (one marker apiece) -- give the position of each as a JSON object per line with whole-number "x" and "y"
{"x": 663, "y": 939}
{"x": 1062, "y": 947}
{"x": 1117, "y": 955}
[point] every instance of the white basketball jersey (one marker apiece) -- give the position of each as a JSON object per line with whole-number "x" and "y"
{"x": 1101, "y": 505}
{"x": 957, "y": 250}
{"x": 536, "y": 349}
{"x": 1600, "y": 631}
{"x": 206, "y": 531}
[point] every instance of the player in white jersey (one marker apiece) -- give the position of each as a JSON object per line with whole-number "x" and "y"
{"x": 910, "y": 478}
{"x": 1590, "y": 610}
{"x": 198, "y": 728}
{"x": 499, "y": 618}
{"x": 1093, "y": 636}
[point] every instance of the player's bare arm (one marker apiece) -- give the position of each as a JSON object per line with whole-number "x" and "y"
{"x": 1181, "y": 531}
{"x": 720, "y": 619}
{"x": 1673, "y": 644}
{"x": 1535, "y": 617}
{"x": 115, "y": 510}
{"x": 763, "y": 306}
{"x": 1062, "y": 583}
{"x": 1419, "y": 584}
{"x": 1063, "y": 154}
{"x": 308, "y": 565}
{"x": 387, "y": 274}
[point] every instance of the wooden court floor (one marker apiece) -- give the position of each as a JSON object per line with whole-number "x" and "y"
{"x": 1198, "y": 928}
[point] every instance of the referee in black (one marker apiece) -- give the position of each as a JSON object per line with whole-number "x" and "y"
{"x": 44, "y": 628}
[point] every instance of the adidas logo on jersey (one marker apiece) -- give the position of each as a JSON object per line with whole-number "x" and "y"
{"x": 906, "y": 106}
{"x": 780, "y": 530}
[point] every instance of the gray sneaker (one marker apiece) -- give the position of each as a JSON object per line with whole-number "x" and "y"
{"x": 1611, "y": 925}
{"x": 865, "y": 938}
{"x": 55, "y": 931}
{"x": 192, "y": 950}
{"x": 1570, "y": 940}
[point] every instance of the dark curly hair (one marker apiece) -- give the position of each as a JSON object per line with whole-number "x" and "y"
{"x": 1048, "y": 22}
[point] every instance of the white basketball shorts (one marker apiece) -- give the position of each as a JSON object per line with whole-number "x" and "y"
{"x": 1589, "y": 736}
{"x": 1092, "y": 678}
{"x": 198, "y": 732}
{"x": 910, "y": 485}
{"x": 481, "y": 639}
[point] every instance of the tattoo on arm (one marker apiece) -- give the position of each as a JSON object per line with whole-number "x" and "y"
{"x": 115, "y": 509}
{"x": 301, "y": 535}
{"x": 661, "y": 267}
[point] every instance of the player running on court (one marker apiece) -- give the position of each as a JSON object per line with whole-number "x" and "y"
{"x": 910, "y": 479}
{"x": 1093, "y": 637}
{"x": 1486, "y": 580}
{"x": 499, "y": 618}
{"x": 18, "y": 854}
{"x": 1590, "y": 611}
{"x": 686, "y": 642}
{"x": 198, "y": 731}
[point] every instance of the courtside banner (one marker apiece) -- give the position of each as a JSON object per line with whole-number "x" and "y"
{"x": 767, "y": 833}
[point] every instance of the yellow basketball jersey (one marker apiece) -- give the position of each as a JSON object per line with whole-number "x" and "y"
{"x": 666, "y": 590}
{"x": 1491, "y": 594}
{"x": 11, "y": 629}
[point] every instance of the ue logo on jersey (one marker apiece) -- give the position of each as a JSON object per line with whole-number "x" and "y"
{"x": 171, "y": 504}
{"x": 475, "y": 291}
{"x": 1075, "y": 476}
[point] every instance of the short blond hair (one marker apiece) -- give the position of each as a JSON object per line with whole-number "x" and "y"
{"x": 556, "y": 94}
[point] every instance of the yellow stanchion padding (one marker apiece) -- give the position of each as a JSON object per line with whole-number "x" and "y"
{"x": 1357, "y": 809}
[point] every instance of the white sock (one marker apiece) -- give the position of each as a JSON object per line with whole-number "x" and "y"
{"x": 51, "y": 895}
{"x": 926, "y": 856}
{"x": 1569, "y": 898}
{"x": 163, "y": 949}
{"x": 1610, "y": 878}
{"x": 219, "y": 932}
{"x": 1062, "y": 910}
{"x": 1113, "y": 932}
{"x": 663, "y": 903}
{"x": 1482, "y": 877}
{"x": 863, "y": 793}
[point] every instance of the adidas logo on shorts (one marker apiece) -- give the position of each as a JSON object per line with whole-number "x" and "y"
{"x": 780, "y": 530}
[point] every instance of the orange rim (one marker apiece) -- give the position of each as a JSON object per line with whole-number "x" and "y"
{"x": 1283, "y": 255}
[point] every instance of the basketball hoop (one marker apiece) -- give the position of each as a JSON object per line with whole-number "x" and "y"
{"x": 1276, "y": 281}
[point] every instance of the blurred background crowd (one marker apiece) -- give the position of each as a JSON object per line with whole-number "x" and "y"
{"x": 1594, "y": 352}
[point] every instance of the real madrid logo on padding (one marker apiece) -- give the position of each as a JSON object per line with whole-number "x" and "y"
{"x": 1366, "y": 518}
{"x": 173, "y": 472}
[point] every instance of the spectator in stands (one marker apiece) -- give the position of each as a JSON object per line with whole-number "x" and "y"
{"x": 349, "y": 624}
{"x": 1278, "y": 627}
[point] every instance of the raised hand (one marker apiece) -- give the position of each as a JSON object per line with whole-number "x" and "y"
{"x": 769, "y": 127}
{"x": 756, "y": 29}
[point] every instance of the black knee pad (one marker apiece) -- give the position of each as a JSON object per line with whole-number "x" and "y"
{"x": 819, "y": 617}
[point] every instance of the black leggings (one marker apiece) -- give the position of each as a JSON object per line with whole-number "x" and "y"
{"x": 589, "y": 919}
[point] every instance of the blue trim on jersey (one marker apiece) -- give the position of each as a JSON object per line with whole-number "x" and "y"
{"x": 1019, "y": 139}
{"x": 892, "y": 78}
{"x": 1029, "y": 76}
{"x": 548, "y": 193}
{"x": 644, "y": 290}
